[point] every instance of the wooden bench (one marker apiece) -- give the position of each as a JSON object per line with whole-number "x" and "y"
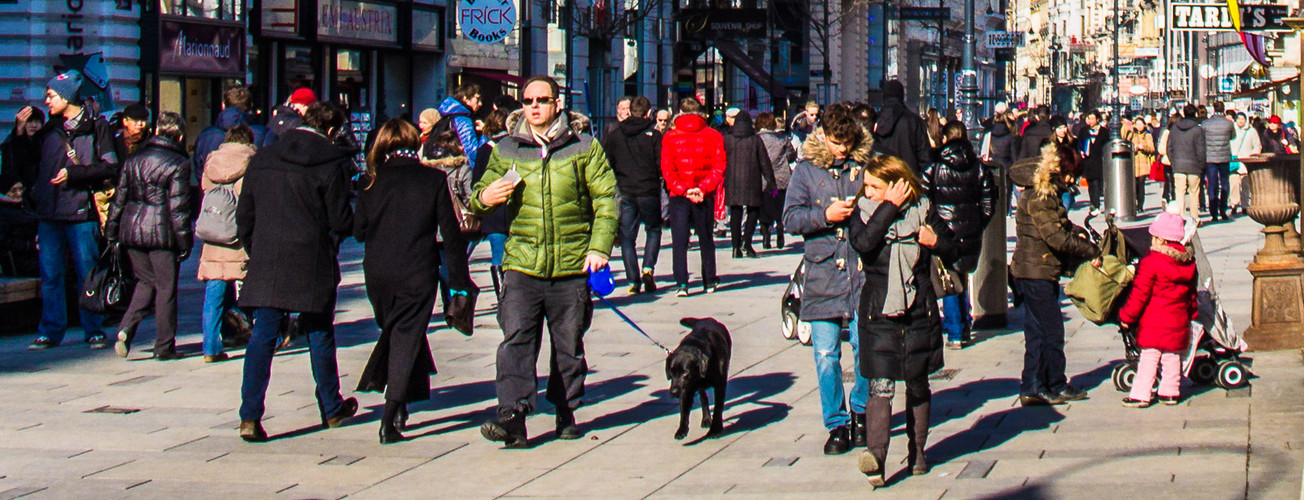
{"x": 19, "y": 289}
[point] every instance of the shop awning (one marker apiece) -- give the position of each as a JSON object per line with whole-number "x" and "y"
{"x": 498, "y": 76}
{"x": 1266, "y": 87}
{"x": 1234, "y": 67}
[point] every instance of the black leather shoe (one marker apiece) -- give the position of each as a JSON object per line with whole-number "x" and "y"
{"x": 389, "y": 434}
{"x": 347, "y": 410}
{"x": 749, "y": 252}
{"x": 566, "y": 428}
{"x": 839, "y": 441}
{"x": 167, "y": 355}
{"x": 1041, "y": 399}
{"x": 1071, "y": 393}
{"x": 510, "y": 431}
{"x": 737, "y": 253}
{"x": 857, "y": 430}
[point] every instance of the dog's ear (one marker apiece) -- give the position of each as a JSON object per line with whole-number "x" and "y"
{"x": 689, "y": 322}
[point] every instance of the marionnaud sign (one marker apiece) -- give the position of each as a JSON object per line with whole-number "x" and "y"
{"x": 486, "y": 21}
{"x": 1216, "y": 17}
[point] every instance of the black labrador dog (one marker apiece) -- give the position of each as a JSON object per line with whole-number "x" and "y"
{"x": 700, "y": 362}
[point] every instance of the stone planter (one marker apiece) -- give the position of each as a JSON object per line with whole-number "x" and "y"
{"x": 1278, "y": 309}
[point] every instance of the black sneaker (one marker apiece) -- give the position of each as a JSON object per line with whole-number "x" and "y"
{"x": 711, "y": 285}
{"x": 649, "y": 282}
{"x": 510, "y": 431}
{"x": 681, "y": 291}
{"x": 97, "y": 342}
{"x": 839, "y": 441}
{"x": 41, "y": 343}
{"x": 167, "y": 355}
{"x": 566, "y": 428}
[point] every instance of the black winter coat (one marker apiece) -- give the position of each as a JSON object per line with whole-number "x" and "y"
{"x": 1004, "y": 145}
{"x": 1048, "y": 245}
{"x": 748, "y": 173}
{"x": 634, "y": 151}
{"x": 18, "y": 226}
{"x": 96, "y": 166}
{"x": 1033, "y": 137}
{"x": 900, "y": 132}
{"x": 284, "y": 119}
{"x": 964, "y": 195}
{"x": 293, "y": 211}
{"x": 151, "y": 207}
{"x": 497, "y": 222}
{"x": 909, "y": 347}
{"x": 20, "y": 156}
{"x": 1093, "y": 162}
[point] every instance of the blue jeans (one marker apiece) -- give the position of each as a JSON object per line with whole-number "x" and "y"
{"x": 219, "y": 296}
{"x": 262, "y": 346}
{"x": 57, "y": 240}
{"x": 496, "y": 243}
{"x": 635, "y": 211}
{"x": 1043, "y": 338}
{"x": 1217, "y": 182}
{"x": 956, "y": 321}
{"x": 826, "y": 338}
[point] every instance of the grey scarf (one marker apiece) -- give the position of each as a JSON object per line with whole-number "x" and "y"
{"x": 903, "y": 246}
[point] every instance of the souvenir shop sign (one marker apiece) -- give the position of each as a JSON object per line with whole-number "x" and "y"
{"x": 357, "y": 21}
{"x": 486, "y": 21}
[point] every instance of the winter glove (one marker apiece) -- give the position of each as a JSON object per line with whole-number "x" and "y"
{"x": 185, "y": 254}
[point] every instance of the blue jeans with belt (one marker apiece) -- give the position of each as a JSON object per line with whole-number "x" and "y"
{"x": 826, "y": 339}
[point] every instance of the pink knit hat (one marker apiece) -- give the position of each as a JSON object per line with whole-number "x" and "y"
{"x": 1168, "y": 226}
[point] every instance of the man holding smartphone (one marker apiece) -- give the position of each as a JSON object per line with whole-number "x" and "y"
{"x": 551, "y": 248}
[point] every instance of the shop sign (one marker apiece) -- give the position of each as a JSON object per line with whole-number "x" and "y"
{"x": 353, "y": 20}
{"x": 427, "y": 28}
{"x": 1217, "y": 17}
{"x": 281, "y": 16}
{"x": 1005, "y": 39}
{"x": 924, "y": 13}
{"x": 713, "y": 24}
{"x": 201, "y": 48}
{"x": 486, "y": 21}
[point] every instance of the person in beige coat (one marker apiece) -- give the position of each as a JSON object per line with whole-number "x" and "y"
{"x": 222, "y": 266}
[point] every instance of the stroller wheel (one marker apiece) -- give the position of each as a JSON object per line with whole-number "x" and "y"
{"x": 1204, "y": 371}
{"x": 1124, "y": 378}
{"x": 1231, "y": 375}
{"x": 790, "y": 324}
{"x": 803, "y": 333}
{"x": 1113, "y": 374}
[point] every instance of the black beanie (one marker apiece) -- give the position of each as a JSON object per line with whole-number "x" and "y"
{"x": 894, "y": 90}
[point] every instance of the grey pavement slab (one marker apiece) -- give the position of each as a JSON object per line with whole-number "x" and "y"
{"x": 181, "y": 443}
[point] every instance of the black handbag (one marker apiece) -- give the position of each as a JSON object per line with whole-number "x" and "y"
{"x": 109, "y": 286}
{"x": 946, "y": 282}
{"x": 460, "y": 314}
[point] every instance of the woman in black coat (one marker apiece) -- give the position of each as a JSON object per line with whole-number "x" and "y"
{"x": 748, "y": 174}
{"x": 396, "y": 217}
{"x": 896, "y": 235}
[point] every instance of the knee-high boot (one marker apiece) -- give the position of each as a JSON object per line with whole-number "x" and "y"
{"x": 778, "y": 234}
{"x": 917, "y": 420}
{"x": 765, "y": 236}
{"x": 494, "y": 272}
{"x": 878, "y": 431}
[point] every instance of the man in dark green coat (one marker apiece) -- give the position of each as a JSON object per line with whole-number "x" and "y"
{"x": 555, "y": 181}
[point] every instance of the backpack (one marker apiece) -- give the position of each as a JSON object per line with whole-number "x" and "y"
{"x": 216, "y": 223}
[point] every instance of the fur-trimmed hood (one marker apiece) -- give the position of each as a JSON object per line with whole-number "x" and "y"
{"x": 1178, "y": 252}
{"x": 818, "y": 153}
{"x": 517, "y": 126}
{"x": 447, "y": 162}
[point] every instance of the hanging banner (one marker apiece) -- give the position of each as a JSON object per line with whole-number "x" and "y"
{"x": 486, "y": 21}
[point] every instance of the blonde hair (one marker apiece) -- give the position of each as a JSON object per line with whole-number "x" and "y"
{"x": 891, "y": 169}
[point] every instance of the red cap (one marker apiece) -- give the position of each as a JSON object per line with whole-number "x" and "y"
{"x": 303, "y": 96}
{"x": 1276, "y": 120}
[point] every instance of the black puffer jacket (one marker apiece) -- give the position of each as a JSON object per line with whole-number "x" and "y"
{"x": 1048, "y": 245}
{"x": 1003, "y": 144}
{"x": 964, "y": 195}
{"x": 901, "y": 133}
{"x": 1033, "y": 136}
{"x": 151, "y": 208}
{"x": 749, "y": 171}
{"x": 634, "y": 150}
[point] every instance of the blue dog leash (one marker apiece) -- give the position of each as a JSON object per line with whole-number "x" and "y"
{"x": 601, "y": 283}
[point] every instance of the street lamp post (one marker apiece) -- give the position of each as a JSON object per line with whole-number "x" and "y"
{"x": 969, "y": 83}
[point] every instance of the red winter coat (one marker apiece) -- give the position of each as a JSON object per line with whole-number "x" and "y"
{"x": 692, "y": 156}
{"x": 1162, "y": 305}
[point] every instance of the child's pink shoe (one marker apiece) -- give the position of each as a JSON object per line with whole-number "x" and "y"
{"x": 1135, "y": 403}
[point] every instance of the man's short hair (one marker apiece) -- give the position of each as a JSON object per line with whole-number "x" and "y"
{"x": 690, "y": 105}
{"x": 238, "y": 97}
{"x": 812, "y": 104}
{"x": 323, "y": 116}
{"x": 840, "y": 124}
{"x": 639, "y": 106}
{"x": 1189, "y": 111}
{"x": 466, "y": 91}
{"x": 170, "y": 125}
{"x": 1219, "y": 107}
{"x": 553, "y": 86}
{"x": 1094, "y": 114}
{"x": 624, "y": 98}
{"x": 239, "y": 134}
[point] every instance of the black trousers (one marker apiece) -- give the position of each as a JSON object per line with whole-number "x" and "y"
{"x": 701, "y": 218}
{"x": 156, "y": 286}
{"x": 1043, "y": 338}
{"x": 1095, "y": 190}
{"x": 742, "y": 231}
{"x": 526, "y": 303}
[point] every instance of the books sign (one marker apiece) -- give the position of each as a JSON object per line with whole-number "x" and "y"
{"x": 486, "y": 21}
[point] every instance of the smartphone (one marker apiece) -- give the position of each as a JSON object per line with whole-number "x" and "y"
{"x": 512, "y": 177}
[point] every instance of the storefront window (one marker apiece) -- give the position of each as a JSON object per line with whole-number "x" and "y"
{"x": 226, "y": 10}
{"x": 351, "y": 79}
{"x": 298, "y": 70}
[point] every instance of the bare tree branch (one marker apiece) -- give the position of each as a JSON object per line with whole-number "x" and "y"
{"x": 603, "y": 20}
{"x": 826, "y": 31}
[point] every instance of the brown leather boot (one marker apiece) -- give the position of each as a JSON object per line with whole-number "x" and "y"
{"x": 878, "y": 431}
{"x": 917, "y": 420}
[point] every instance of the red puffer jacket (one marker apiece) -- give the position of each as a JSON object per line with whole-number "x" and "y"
{"x": 692, "y": 156}
{"x": 1162, "y": 305}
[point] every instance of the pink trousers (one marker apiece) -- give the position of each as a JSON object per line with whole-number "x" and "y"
{"x": 1170, "y": 379}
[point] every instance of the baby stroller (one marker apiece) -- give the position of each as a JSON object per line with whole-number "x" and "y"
{"x": 1214, "y": 353}
{"x": 790, "y": 308}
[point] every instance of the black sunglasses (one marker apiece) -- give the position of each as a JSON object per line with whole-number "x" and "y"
{"x": 543, "y": 100}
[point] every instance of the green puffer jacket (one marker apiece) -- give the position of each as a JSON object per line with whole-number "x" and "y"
{"x": 564, "y": 208}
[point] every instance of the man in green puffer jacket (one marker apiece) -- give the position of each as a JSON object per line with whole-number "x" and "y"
{"x": 555, "y": 180}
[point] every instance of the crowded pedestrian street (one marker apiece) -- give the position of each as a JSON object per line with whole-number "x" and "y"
{"x": 81, "y": 423}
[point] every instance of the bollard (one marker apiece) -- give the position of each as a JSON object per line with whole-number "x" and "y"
{"x": 988, "y": 288}
{"x": 1120, "y": 187}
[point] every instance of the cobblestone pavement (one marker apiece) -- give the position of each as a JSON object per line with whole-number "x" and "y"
{"x": 80, "y": 423}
